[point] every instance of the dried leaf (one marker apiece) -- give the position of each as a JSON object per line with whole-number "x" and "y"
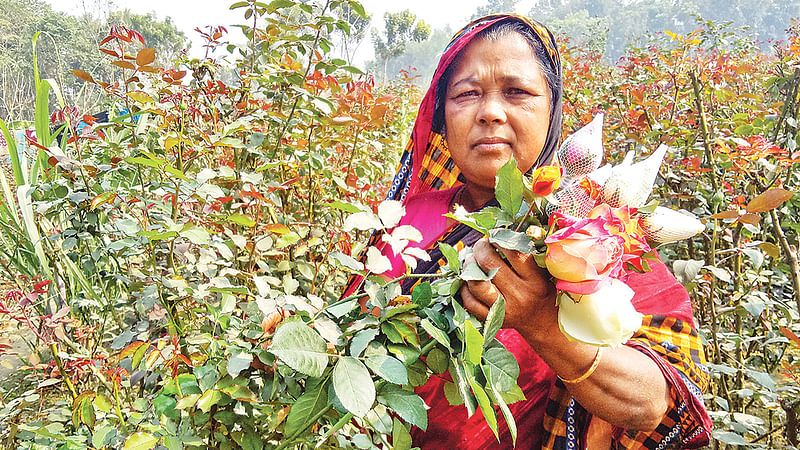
{"x": 769, "y": 200}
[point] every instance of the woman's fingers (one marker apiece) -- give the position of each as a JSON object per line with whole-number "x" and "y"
{"x": 488, "y": 258}
{"x": 471, "y": 303}
{"x": 523, "y": 264}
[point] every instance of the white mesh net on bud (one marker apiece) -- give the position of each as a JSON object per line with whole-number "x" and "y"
{"x": 584, "y": 184}
{"x": 582, "y": 152}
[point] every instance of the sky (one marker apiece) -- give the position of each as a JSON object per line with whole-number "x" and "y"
{"x": 189, "y": 14}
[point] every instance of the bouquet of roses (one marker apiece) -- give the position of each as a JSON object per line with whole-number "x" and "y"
{"x": 590, "y": 226}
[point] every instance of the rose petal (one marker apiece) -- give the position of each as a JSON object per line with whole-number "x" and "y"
{"x": 605, "y": 318}
{"x": 582, "y": 287}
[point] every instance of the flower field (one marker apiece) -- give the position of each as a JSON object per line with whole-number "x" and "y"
{"x": 176, "y": 273}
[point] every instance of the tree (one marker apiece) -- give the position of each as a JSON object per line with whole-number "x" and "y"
{"x": 626, "y": 21}
{"x": 67, "y": 42}
{"x": 422, "y": 56}
{"x": 358, "y": 29}
{"x": 401, "y": 29}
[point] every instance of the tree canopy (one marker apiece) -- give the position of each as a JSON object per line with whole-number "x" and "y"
{"x": 67, "y": 42}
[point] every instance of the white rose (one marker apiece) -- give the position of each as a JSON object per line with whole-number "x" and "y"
{"x": 605, "y": 318}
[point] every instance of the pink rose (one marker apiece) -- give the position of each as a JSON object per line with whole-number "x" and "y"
{"x": 584, "y": 255}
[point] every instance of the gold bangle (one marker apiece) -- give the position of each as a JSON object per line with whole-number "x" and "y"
{"x": 590, "y": 371}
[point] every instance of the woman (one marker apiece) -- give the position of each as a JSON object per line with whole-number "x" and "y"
{"x": 496, "y": 94}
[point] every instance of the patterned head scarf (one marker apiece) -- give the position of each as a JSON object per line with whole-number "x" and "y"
{"x": 426, "y": 163}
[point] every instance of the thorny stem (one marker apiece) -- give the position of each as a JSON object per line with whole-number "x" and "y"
{"x": 704, "y": 129}
{"x": 63, "y": 372}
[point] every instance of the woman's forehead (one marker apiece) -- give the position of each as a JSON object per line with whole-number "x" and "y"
{"x": 510, "y": 58}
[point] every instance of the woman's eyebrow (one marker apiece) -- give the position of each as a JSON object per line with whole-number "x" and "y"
{"x": 506, "y": 78}
{"x": 468, "y": 80}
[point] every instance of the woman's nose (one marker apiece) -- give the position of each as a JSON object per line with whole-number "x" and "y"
{"x": 491, "y": 110}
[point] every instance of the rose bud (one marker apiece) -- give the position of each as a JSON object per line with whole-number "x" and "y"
{"x": 545, "y": 180}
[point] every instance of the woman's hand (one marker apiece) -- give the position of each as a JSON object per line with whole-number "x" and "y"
{"x": 529, "y": 294}
{"x": 627, "y": 389}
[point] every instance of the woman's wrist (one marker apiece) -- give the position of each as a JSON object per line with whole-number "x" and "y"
{"x": 569, "y": 359}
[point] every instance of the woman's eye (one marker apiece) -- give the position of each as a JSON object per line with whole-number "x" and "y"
{"x": 467, "y": 94}
{"x": 516, "y": 91}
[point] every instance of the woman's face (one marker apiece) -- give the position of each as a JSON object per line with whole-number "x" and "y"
{"x": 497, "y": 105}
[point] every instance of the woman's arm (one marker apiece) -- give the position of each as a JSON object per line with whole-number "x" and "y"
{"x": 627, "y": 389}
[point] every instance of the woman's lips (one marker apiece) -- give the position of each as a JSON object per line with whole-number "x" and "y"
{"x": 491, "y": 144}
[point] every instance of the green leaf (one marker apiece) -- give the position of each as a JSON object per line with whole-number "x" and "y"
{"x": 83, "y": 410}
{"x": 196, "y": 235}
{"x": 762, "y": 378}
{"x": 103, "y": 403}
{"x": 504, "y": 368}
{"x": 485, "y": 405}
{"x": 301, "y": 348}
{"x": 481, "y": 221}
{"x": 452, "y": 394}
{"x": 141, "y": 440}
{"x": 494, "y": 320}
{"x": 188, "y": 401}
{"x": 347, "y": 261}
{"x": 238, "y": 362}
{"x": 165, "y": 404}
{"x": 346, "y": 207}
{"x": 422, "y": 294}
{"x": 305, "y": 407}
{"x": 241, "y": 219}
{"x": 512, "y": 240}
{"x": 437, "y": 361}
{"x": 451, "y": 255}
{"x": 720, "y": 273}
{"x": 401, "y": 438}
{"x": 729, "y": 438}
{"x": 400, "y": 328}
{"x": 404, "y": 353}
{"x": 173, "y": 171}
{"x": 408, "y": 405}
{"x": 474, "y": 342}
{"x": 417, "y": 374}
{"x": 508, "y": 187}
{"x": 361, "y": 340}
{"x": 209, "y": 398}
{"x": 391, "y": 332}
{"x": 358, "y": 9}
{"x": 436, "y": 333}
{"x": 103, "y": 435}
{"x": 353, "y": 385}
{"x": 145, "y": 161}
{"x": 459, "y": 375}
{"x": 473, "y": 272}
{"x": 686, "y": 270}
{"x": 498, "y": 399}
{"x": 388, "y": 368}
